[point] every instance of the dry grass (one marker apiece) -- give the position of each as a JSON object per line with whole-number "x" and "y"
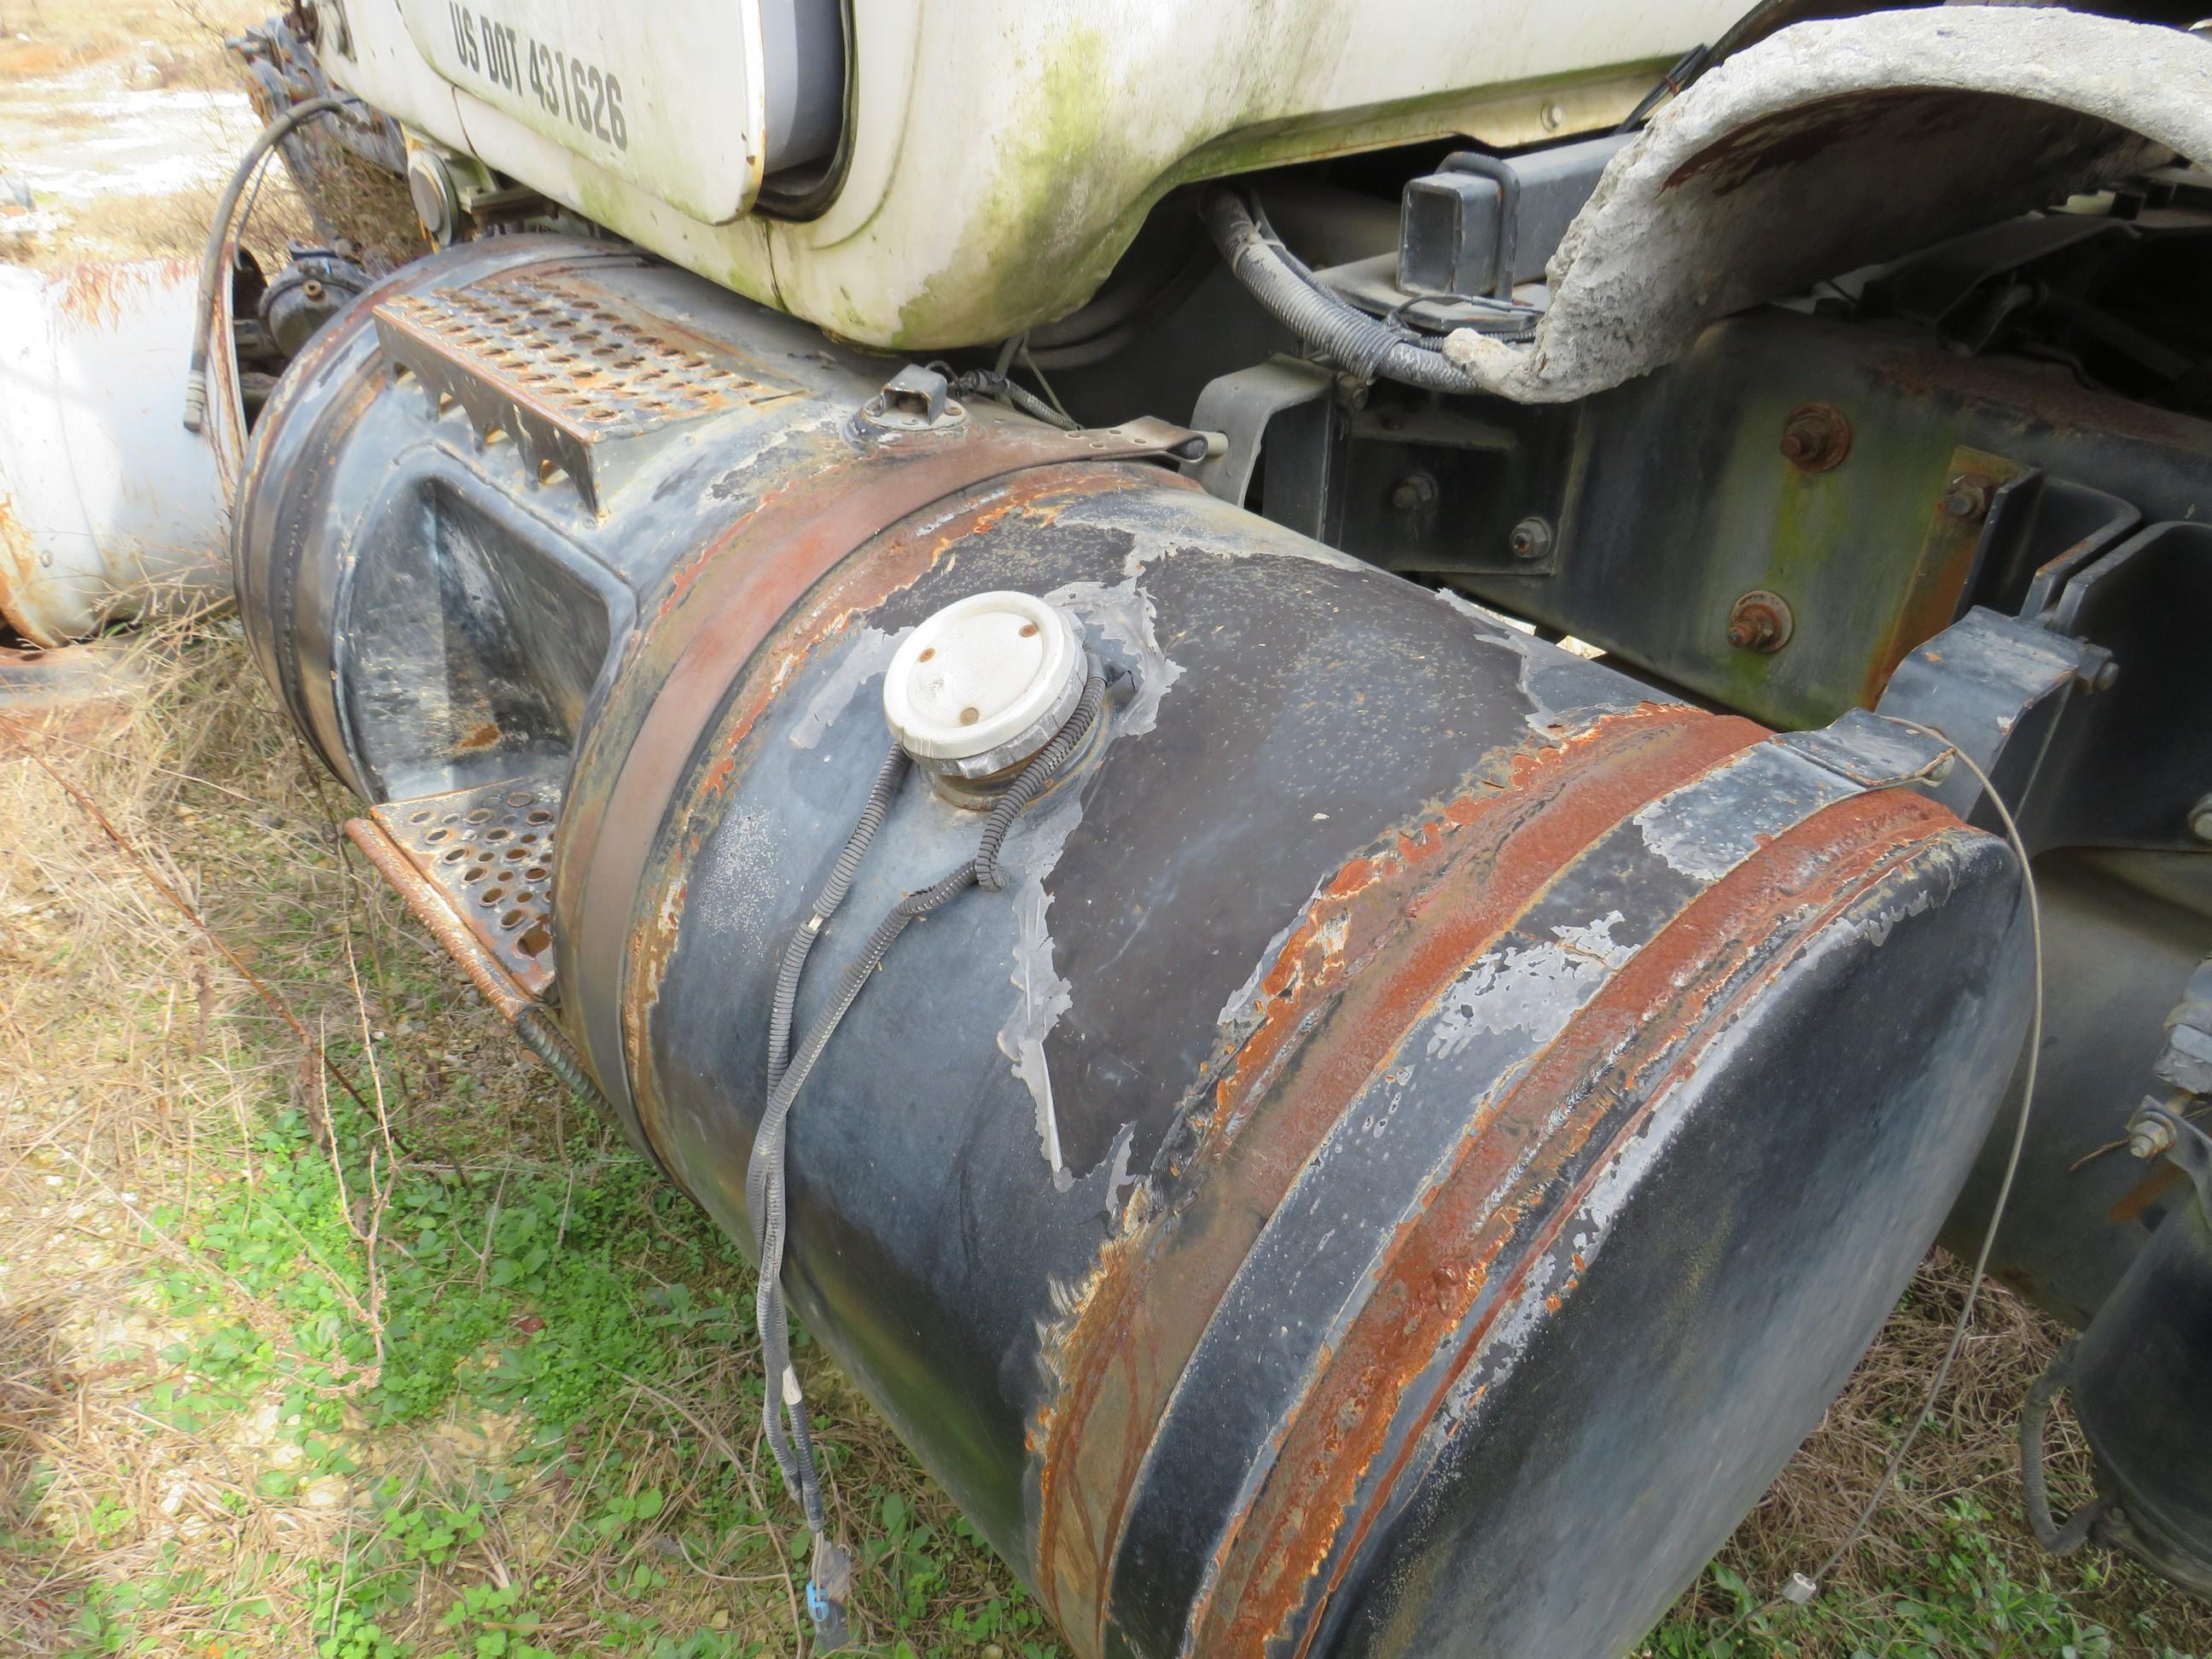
{"x": 140, "y": 1074}
{"x": 98, "y": 96}
{"x": 182, "y": 40}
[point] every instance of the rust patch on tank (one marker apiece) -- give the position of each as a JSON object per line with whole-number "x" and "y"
{"x": 853, "y": 592}
{"x": 1382, "y": 940}
{"x": 1513, "y": 1188}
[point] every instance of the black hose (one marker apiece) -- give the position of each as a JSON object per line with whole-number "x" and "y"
{"x": 1355, "y": 341}
{"x": 889, "y": 776}
{"x": 2060, "y": 1538}
{"x": 218, "y": 238}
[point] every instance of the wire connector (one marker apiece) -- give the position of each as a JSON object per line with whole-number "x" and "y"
{"x": 827, "y": 1592}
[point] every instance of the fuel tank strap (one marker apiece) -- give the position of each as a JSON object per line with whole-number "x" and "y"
{"x": 714, "y": 611}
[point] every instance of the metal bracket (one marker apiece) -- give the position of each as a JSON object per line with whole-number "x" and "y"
{"x": 1240, "y": 406}
{"x": 1874, "y": 751}
{"x": 1994, "y": 687}
{"x": 2158, "y": 1127}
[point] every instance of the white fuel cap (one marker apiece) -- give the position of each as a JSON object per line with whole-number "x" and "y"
{"x": 984, "y": 682}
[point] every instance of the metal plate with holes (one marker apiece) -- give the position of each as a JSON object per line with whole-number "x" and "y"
{"x": 489, "y": 852}
{"x": 583, "y": 382}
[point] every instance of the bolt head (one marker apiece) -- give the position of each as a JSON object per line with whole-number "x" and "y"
{"x": 1413, "y": 492}
{"x": 2200, "y": 819}
{"x": 1761, "y": 620}
{"x": 1816, "y": 438}
{"x": 1531, "y": 539}
{"x": 1966, "y": 498}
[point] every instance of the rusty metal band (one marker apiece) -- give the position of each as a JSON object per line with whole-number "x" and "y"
{"x": 716, "y": 611}
{"x": 1513, "y": 1188}
{"x": 1408, "y": 920}
{"x": 421, "y": 896}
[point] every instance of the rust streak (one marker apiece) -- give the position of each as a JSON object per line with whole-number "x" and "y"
{"x": 1513, "y": 1188}
{"x": 1411, "y": 916}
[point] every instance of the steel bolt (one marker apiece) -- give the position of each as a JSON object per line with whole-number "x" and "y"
{"x": 2200, "y": 819}
{"x": 1531, "y": 538}
{"x": 1815, "y": 437}
{"x": 2149, "y": 1137}
{"x": 1413, "y": 492}
{"x": 1966, "y": 497}
{"x": 1760, "y": 621}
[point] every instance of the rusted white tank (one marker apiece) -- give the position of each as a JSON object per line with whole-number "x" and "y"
{"x": 109, "y": 509}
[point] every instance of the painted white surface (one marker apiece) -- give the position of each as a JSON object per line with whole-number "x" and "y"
{"x": 108, "y": 507}
{"x": 1004, "y": 151}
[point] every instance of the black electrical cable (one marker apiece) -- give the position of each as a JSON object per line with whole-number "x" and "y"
{"x": 1293, "y": 297}
{"x": 889, "y": 776}
{"x": 783, "y": 1405}
{"x": 218, "y": 238}
{"x": 990, "y": 383}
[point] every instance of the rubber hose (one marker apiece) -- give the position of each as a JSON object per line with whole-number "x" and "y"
{"x": 2061, "y": 1540}
{"x": 226, "y": 208}
{"x": 1356, "y": 341}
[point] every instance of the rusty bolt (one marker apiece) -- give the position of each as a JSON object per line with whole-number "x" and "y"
{"x": 1760, "y": 621}
{"x": 1816, "y": 437}
{"x": 1966, "y": 496}
{"x": 1413, "y": 492}
{"x": 1531, "y": 538}
{"x": 312, "y": 289}
{"x": 2149, "y": 1134}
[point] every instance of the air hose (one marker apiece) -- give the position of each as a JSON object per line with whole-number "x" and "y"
{"x": 783, "y": 1405}
{"x": 1290, "y": 294}
{"x": 218, "y": 237}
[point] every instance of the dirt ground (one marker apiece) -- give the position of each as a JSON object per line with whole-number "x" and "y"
{"x": 398, "y": 1352}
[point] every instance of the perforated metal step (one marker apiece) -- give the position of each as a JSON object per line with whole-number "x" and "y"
{"x": 488, "y": 853}
{"x": 580, "y": 379}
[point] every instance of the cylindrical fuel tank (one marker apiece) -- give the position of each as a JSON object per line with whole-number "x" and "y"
{"x": 1429, "y": 1122}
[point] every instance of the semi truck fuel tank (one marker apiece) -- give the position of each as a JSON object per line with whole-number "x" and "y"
{"x": 1415, "y": 1126}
